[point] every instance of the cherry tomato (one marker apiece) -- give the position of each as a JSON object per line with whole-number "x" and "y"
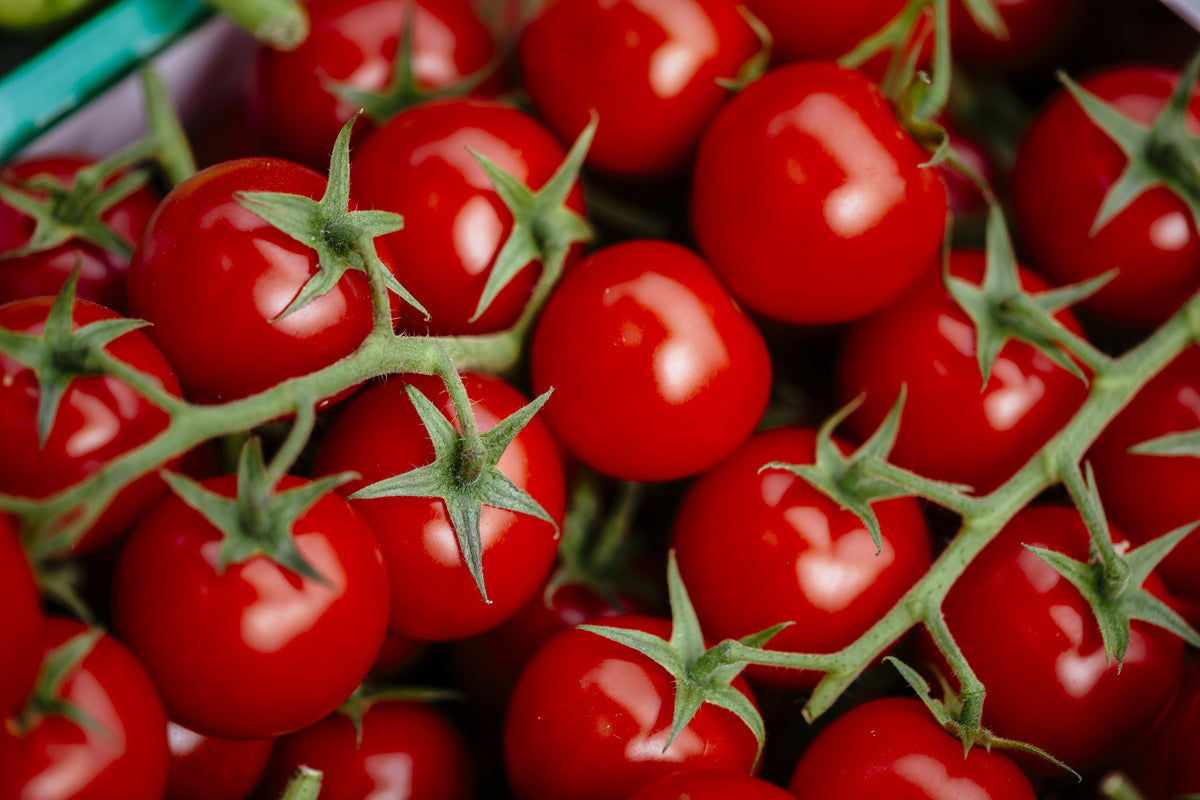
{"x": 1063, "y": 169}
{"x": 455, "y": 223}
{"x": 121, "y": 751}
{"x": 650, "y": 71}
{"x": 820, "y": 31}
{"x": 809, "y": 199}
{"x": 926, "y": 343}
{"x": 21, "y": 625}
{"x": 759, "y": 548}
{"x": 203, "y": 767}
{"x": 590, "y": 718}
{"x": 1035, "y": 30}
{"x": 254, "y": 650}
{"x": 296, "y": 101}
{"x": 1163, "y": 764}
{"x": 657, "y": 373}
{"x": 378, "y": 435}
{"x": 99, "y": 418}
{"x": 893, "y": 747}
{"x": 710, "y": 784}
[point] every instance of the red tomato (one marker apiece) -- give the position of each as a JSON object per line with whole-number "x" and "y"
{"x": 925, "y": 342}
{"x": 650, "y": 72}
{"x": 1035, "y": 30}
{"x": 378, "y": 434}
{"x": 204, "y": 767}
{"x": 101, "y": 273}
{"x": 1063, "y": 169}
{"x": 823, "y": 31}
{"x": 21, "y": 624}
{"x": 894, "y": 748}
{"x": 810, "y": 200}
{"x": 657, "y": 373}
{"x": 454, "y": 221}
{"x": 255, "y": 650}
{"x": 1056, "y": 690}
{"x": 99, "y": 418}
{"x": 205, "y": 257}
{"x": 759, "y": 548}
{"x": 589, "y": 719}
{"x": 710, "y": 784}
{"x": 406, "y": 750}
{"x": 1164, "y": 765}
{"x": 124, "y": 755}
{"x": 353, "y": 43}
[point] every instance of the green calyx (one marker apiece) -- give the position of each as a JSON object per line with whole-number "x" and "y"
{"x": 280, "y": 24}
{"x": 355, "y": 707}
{"x": 757, "y": 64}
{"x": 46, "y": 699}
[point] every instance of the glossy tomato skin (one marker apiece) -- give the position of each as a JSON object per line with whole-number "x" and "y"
{"x": 454, "y": 221}
{"x": 820, "y": 31}
{"x": 126, "y": 756}
{"x": 650, "y": 72}
{"x": 204, "y": 257}
{"x": 102, "y": 274}
{"x": 809, "y": 200}
{"x": 1063, "y": 168}
{"x": 203, "y": 766}
{"x": 255, "y": 650}
{"x": 1056, "y": 690}
{"x": 657, "y": 373}
{"x": 433, "y": 597}
{"x": 22, "y": 622}
{"x": 893, "y": 747}
{"x": 354, "y": 43}
{"x": 926, "y": 343}
{"x": 710, "y": 784}
{"x": 407, "y": 749}
{"x": 759, "y": 548}
{"x": 99, "y": 418}
{"x": 588, "y": 706}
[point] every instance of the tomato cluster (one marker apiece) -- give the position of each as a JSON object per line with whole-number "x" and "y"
{"x": 606, "y": 399}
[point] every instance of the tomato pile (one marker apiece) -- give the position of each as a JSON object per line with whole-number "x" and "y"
{"x": 607, "y": 399}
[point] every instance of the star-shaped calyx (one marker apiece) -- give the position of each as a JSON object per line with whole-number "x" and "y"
{"x": 46, "y": 699}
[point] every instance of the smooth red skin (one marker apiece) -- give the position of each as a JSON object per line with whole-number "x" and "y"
{"x": 711, "y": 784}
{"x": 1147, "y": 496}
{"x": 102, "y": 274}
{"x": 649, "y": 70}
{"x": 21, "y": 624}
{"x": 203, "y": 767}
{"x": 893, "y": 747}
{"x": 809, "y": 200}
{"x": 926, "y": 343}
{"x": 354, "y": 42}
{"x": 433, "y": 598}
{"x": 1163, "y": 765}
{"x": 757, "y": 549}
{"x": 205, "y": 259}
{"x": 455, "y": 223}
{"x": 58, "y": 759}
{"x": 1055, "y": 690}
{"x": 1035, "y": 29}
{"x": 1063, "y": 168}
{"x": 657, "y": 373}
{"x": 98, "y": 419}
{"x": 257, "y": 650}
{"x": 408, "y": 750}
{"x": 589, "y": 719}
{"x": 820, "y": 31}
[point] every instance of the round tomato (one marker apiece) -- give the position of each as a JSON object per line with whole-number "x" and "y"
{"x": 590, "y": 719}
{"x": 710, "y": 784}
{"x": 252, "y": 650}
{"x": 894, "y": 748}
{"x": 759, "y": 548}
{"x": 21, "y": 625}
{"x": 1063, "y": 169}
{"x": 455, "y": 223}
{"x": 810, "y": 200}
{"x": 657, "y": 373}
{"x": 433, "y": 597}
{"x": 121, "y": 749}
{"x": 1035, "y": 30}
{"x": 820, "y": 31}
{"x": 204, "y": 767}
{"x": 301, "y": 98}
{"x": 649, "y": 71}
{"x": 926, "y": 343}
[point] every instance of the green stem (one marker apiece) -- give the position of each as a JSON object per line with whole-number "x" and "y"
{"x": 281, "y": 24}
{"x": 971, "y": 689}
{"x": 1084, "y": 351}
{"x": 945, "y": 495}
{"x": 297, "y": 438}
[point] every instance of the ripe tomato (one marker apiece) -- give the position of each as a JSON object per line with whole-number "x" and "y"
{"x": 353, "y": 43}
{"x": 810, "y": 200}
{"x": 21, "y": 625}
{"x": 650, "y": 71}
{"x": 254, "y": 650}
{"x": 454, "y": 221}
{"x": 926, "y": 343}
{"x": 123, "y": 753}
{"x": 99, "y": 418}
{"x": 760, "y": 548}
{"x": 1063, "y": 169}
{"x": 205, "y": 257}
{"x": 894, "y": 748}
{"x": 710, "y": 784}
{"x": 820, "y": 31}
{"x": 203, "y": 767}
{"x": 657, "y": 373}
{"x": 589, "y": 720}
{"x": 1035, "y": 30}
{"x": 433, "y": 597}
